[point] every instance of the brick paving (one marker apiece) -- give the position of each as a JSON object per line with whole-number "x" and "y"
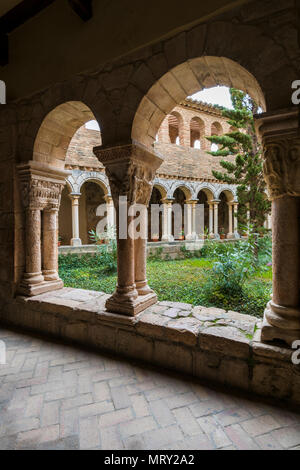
{"x": 54, "y": 396}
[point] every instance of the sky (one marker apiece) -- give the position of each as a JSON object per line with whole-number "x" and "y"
{"x": 217, "y": 95}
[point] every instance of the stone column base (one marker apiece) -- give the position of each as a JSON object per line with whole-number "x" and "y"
{"x": 230, "y": 236}
{"x": 131, "y": 307}
{"x": 167, "y": 238}
{"x": 36, "y": 289}
{"x": 76, "y": 242}
{"x": 274, "y": 326}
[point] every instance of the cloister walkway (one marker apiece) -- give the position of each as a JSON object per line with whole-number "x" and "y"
{"x": 54, "y": 396}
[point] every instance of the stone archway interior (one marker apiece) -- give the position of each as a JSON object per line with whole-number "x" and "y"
{"x": 57, "y": 131}
{"x": 185, "y": 80}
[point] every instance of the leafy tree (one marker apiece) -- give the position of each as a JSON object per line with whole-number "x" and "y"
{"x": 246, "y": 171}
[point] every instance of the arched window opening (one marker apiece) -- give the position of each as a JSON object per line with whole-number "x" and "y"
{"x": 197, "y": 131}
{"x": 175, "y": 128}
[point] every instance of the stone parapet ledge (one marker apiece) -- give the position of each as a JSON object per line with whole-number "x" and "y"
{"x": 209, "y": 343}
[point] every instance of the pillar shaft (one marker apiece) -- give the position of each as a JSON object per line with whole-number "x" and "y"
{"x": 216, "y": 219}
{"x": 130, "y": 170}
{"x": 167, "y": 220}
{"x": 235, "y": 218}
{"x": 50, "y": 244}
{"x": 211, "y": 219}
{"x": 281, "y": 141}
{"x": 140, "y": 258}
{"x": 75, "y": 241}
{"x": 33, "y": 273}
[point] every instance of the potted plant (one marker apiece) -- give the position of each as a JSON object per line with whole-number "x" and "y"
{"x": 155, "y": 237}
{"x": 181, "y": 235}
{"x": 59, "y": 240}
{"x": 222, "y": 233}
{"x": 97, "y": 239}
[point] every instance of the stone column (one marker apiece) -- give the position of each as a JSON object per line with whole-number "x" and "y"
{"x": 130, "y": 170}
{"x": 281, "y": 144}
{"x": 32, "y": 277}
{"x": 167, "y": 220}
{"x": 75, "y": 241}
{"x": 191, "y": 220}
{"x": 230, "y": 221}
{"x": 216, "y": 219}
{"x": 41, "y": 187}
{"x": 50, "y": 245}
{"x": 235, "y": 220}
{"x": 211, "y": 219}
{"x": 110, "y": 211}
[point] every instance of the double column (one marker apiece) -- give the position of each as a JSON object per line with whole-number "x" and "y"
{"x": 41, "y": 187}
{"x": 130, "y": 170}
{"x": 281, "y": 143}
{"x": 232, "y": 220}
{"x": 191, "y": 206}
{"x": 167, "y": 220}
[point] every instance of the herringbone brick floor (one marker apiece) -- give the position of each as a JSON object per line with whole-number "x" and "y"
{"x": 58, "y": 397}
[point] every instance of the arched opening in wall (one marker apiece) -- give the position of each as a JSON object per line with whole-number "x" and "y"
{"x": 65, "y": 218}
{"x": 205, "y": 196}
{"x": 48, "y": 161}
{"x": 216, "y": 129}
{"x": 181, "y": 195}
{"x": 57, "y": 130}
{"x": 175, "y": 128}
{"x": 155, "y": 226}
{"x": 92, "y": 203}
{"x": 186, "y": 80}
{"x": 226, "y": 198}
{"x": 197, "y": 132}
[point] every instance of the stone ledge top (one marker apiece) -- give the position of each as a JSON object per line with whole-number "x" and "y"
{"x": 206, "y": 328}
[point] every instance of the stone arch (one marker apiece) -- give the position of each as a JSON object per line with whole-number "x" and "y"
{"x": 70, "y": 185}
{"x": 162, "y": 189}
{"x": 186, "y": 79}
{"x": 57, "y": 130}
{"x": 94, "y": 177}
{"x": 229, "y": 192}
{"x": 185, "y": 187}
{"x": 208, "y": 190}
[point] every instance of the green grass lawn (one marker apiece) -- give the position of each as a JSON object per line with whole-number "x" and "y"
{"x": 177, "y": 281}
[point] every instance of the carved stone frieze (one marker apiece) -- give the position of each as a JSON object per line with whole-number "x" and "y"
{"x": 282, "y": 167}
{"x": 41, "y": 186}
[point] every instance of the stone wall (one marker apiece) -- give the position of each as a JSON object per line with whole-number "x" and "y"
{"x": 179, "y": 160}
{"x": 209, "y": 343}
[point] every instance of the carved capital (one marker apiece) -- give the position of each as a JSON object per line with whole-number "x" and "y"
{"x": 281, "y": 147}
{"x": 131, "y": 170}
{"x": 41, "y": 186}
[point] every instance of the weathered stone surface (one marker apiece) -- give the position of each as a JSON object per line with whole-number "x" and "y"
{"x": 208, "y": 313}
{"x": 226, "y": 340}
{"x": 177, "y": 305}
{"x": 183, "y": 330}
{"x": 171, "y": 312}
{"x": 218, "y": 353}
{"x": 151, "y": 324}
{"x": 175, "y": 356}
